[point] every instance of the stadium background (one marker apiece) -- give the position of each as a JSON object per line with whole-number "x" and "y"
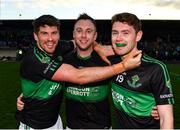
{"x": 161, "y": 39}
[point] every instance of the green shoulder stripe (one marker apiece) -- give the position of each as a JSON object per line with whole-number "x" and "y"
{"x": 37, "y": 54}
{"x": 146, "y": 58}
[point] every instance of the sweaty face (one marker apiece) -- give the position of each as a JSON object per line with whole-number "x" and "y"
{"x": 47, "y": 38}
{"x": 124, "y": 38}
{"x": 84, "y": 34}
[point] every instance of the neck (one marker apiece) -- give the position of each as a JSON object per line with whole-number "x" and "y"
{"x": 84, "y": 53}
{"x": 131, "y": 52}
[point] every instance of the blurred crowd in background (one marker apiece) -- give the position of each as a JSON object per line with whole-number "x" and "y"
{"x": 163, "y": 46}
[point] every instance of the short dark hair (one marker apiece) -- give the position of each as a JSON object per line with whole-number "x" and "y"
{"x": 45, "y": 20}
{"x": 128, "y": 18}
{"x": 85, "y": 16}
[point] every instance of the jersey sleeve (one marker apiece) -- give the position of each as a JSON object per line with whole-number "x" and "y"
{"x": 161, "y": 85}
{"x": 37, "y": 70}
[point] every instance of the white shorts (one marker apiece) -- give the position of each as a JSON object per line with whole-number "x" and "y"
{"x": 58, "y": 125}
{"x": 67, "y": 128}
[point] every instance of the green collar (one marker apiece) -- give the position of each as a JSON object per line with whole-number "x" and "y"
{"x": 83, "y": 58}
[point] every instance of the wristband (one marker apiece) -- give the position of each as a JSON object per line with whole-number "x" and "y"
{"x": 124, "y": 67}
{"x": 119, "y": 68}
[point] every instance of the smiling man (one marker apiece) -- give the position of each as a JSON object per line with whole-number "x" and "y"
{"x": 137, "y": 91}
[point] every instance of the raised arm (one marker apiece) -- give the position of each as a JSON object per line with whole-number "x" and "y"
{"x": 104, "y": 51}
{"x": 93, "y": 74}
{"x": 166, "y": 116}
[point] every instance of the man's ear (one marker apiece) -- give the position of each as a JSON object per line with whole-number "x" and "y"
{"x": 139, "y": 36}
{"x": 35, "y": 36}
{"x": 95, "y": 36}
{"x": 73, "y": 34}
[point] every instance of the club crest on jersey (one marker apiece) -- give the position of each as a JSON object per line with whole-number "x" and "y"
{"x": 45, "y": 60}
{"x": 134, "y": 82}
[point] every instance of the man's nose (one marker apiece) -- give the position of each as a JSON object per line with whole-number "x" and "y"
{"x": 119, "y": 37}
{"x": 83, "y": 33}
{"x": 50, "y": 38}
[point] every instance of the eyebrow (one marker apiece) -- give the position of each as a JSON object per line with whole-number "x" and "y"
{"x": 85, "y": 29}
{"x": 114, "y": 31}
{"x": 121, "y": 30}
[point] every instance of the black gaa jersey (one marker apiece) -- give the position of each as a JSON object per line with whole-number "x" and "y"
{"x": 87, "y": 106}
{"x": 137, "y": 91}
{"x": 41, "y": 95}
